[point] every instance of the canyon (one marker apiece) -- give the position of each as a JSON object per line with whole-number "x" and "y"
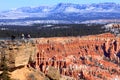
{"x": 93, "y": 57}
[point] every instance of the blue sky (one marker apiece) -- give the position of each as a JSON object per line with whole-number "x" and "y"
{"x": 11, "y": 4}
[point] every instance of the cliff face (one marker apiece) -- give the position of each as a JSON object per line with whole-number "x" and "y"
{"x": 17, "y": 53}
{"x": 91, "y": 57}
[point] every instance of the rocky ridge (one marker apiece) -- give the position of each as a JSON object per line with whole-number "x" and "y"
{"x": 62, "y": 13}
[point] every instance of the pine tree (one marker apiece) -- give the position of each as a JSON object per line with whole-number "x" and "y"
{"x": 4, "y": 68}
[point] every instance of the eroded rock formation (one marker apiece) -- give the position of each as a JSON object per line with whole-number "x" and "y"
{"x": 16, "y": 52}
{"x": 95, "y": 57}
{"x": 92, "y": 57}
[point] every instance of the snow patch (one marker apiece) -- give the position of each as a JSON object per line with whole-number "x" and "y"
{"x": 72, "y": 9}
{"x": 46, "y": 10}
{"x": 90, "y": 8}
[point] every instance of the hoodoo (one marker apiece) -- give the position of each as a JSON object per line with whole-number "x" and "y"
{"x": 86, "y": 57}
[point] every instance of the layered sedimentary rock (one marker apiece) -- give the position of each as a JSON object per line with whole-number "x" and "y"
{"x": 91, "y": 57}
{"x": 114, "y": 28}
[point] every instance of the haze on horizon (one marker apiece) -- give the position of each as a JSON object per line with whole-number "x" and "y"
{"x": 12, "y": 4}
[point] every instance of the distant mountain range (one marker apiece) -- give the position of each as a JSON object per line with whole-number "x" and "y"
{"x": 61, "y": 13}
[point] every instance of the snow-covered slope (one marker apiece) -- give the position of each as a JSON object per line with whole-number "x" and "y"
{"x": 64, "y": 11}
